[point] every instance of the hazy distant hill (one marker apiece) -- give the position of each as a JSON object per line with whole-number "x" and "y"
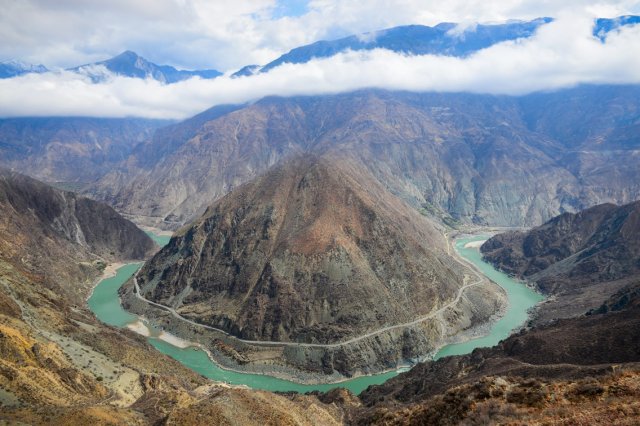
{"x": 442, "y": 39}
{"x": 77, "y": 150}
{"x": 447, "y": 39}
{"x": 129, "y": 64}
{"x": 10, "y": 69}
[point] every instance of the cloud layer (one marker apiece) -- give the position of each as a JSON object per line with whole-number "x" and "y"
{"x": 562, "y": 54}
{"x": 226, "y": 35}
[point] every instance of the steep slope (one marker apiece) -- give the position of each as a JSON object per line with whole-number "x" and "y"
{"x": 59, "y": 365}
{"x": 580, "y": 258}
{"x": 482, "y": 159}
{"x": 129, "y": 64}
{"x": 316, "y": 251}
{"x": 70, "y": 149}
{"x": 547, "y": 374}
{"x": 571, "y": 370}
{"x": 69, "y": 236}
{"x": 305, "y": 253}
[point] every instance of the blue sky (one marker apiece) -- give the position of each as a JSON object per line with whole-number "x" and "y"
{"x": 290, "y": 8}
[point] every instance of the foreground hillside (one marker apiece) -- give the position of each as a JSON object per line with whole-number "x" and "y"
{"x": 317, "y": 252}
{"x": 480, "y": 159}
{"x": 59, "y": 365}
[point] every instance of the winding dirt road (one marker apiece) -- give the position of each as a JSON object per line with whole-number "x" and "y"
{"x": 479, "y": 280}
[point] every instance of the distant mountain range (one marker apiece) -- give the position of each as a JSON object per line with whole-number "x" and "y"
{"x": 70, "y": 149}
{"x": 448, "y": 39}
{"x": 130, "y": 64}
{"x": 127, "y": 64}
{"x": 497, "y": 160}
{"x": 442, "y": 39}
{"x": 10, "y": 69}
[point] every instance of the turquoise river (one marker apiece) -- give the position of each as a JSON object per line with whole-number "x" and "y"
{"x": 105, "y": 304}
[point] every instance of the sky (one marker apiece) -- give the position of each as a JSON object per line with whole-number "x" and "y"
{"x": 197, "y": 34}
{"x": 226, "y": 35}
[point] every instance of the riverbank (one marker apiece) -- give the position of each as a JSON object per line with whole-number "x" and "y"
{"x": 478, "y": 300}
{"x": 202, "y": 361}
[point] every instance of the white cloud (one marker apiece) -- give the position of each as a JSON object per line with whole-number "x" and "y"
{"x": 561, "y": 54}
{"x": 230, "y": 34}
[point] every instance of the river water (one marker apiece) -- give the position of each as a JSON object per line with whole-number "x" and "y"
{"x": 105, "y": 304}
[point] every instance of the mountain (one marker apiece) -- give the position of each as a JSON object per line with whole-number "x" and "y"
{"x": 63, "y": 221}
{"x": 496, "y": 160}
{"x": 443, "y": 39}
{"x": 60, "y": 365}
{"x": 317, "y": 251}
{"x": 246, "y": 71}
{"x": 574, "y": 366}
{"x": 129, "y": 64}
{"x": 75, "y": 150}
{"x": 10, "y": 69}
{"x": 448, "y": 39}
{"x": 604, "y": 26}
{"x": 579, "y": 258}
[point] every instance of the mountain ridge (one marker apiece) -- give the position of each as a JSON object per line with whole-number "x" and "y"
{"x": 469, "y": 157}
{"x": 130, "y": 64}
{"x": 316, "y": 255}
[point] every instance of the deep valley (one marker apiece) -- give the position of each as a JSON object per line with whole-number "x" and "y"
{"x": 372, "y": 215}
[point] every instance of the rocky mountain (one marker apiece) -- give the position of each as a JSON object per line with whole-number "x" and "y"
{"x": 74, "y": 150}
{"x": 579, "y": 258}
{"x": 67, "y": 234}
{"x": 9, "y": 69}
{"x": 317, "y": 251}
{"x": 247, "y": 71}
{"x": 59, "y": 365}
{"x": 129, "y": 64}
{"x": 480, "y": 159}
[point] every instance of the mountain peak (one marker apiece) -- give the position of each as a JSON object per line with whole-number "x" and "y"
{"x": 130, "y": 64}
{"x": 127, "y": 54}
{"x": 440, "y": 39}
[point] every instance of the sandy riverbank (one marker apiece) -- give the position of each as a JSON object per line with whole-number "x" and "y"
{"x": 475, "y": 244}
{"x": 141, "y": 328}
